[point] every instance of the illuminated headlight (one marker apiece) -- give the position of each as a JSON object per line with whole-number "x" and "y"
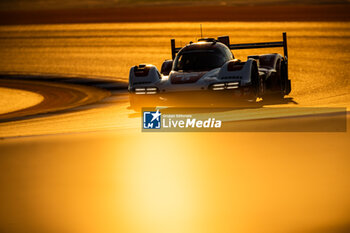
{"x": 218, "y": 88}
{"x": 219, "y": 85}
{"x": 146, "y": 90}
{"x": 225, "y": 86}
{"x": 233, "y": 84}
{"x": 151, "y": 89}
{"x": 231, "y": 87}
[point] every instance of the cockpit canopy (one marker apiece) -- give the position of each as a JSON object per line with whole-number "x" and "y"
{"x": 202, "y": 56}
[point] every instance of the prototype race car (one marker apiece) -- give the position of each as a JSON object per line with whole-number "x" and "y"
{"x": 209, "y": 67}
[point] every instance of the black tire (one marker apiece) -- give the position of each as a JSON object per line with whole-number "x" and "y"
{"x": 285, "y": 82}
{"x": 279, "y": 82}
{"x": 288, "y": 87}
{"x": 256, "y": 83}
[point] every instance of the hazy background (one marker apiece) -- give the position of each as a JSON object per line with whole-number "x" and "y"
{"x": 68, "y": 4}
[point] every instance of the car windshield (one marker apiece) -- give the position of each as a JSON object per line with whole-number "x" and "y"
{"x": 199, "y": 60}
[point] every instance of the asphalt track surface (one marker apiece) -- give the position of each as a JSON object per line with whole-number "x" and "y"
{"x": 57, "y": 97}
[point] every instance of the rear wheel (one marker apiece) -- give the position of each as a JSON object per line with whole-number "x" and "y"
{"x": 285, "y": 87}
{"x": 280, "y": 82}
{"x": 256, "y": 83}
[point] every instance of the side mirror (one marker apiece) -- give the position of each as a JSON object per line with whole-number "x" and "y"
{"x": 166, "y": 67}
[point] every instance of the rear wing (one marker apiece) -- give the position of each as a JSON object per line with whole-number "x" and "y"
{"x": 282, "y": 43}
{"x": 226, "y": 40}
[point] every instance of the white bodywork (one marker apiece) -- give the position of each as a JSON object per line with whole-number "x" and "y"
{"x": 217, "y": 78}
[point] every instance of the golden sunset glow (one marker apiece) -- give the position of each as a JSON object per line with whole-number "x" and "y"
{"x": 73, "y": 158}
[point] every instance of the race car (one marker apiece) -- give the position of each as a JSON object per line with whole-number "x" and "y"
{"x": 209, "y": 68}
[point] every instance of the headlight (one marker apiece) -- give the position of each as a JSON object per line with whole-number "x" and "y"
{"x": 232, "y": 85}
{"x": 224, "y": 86}
{"x": 218, "y": 86}
{"x": 146, "y": 90}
